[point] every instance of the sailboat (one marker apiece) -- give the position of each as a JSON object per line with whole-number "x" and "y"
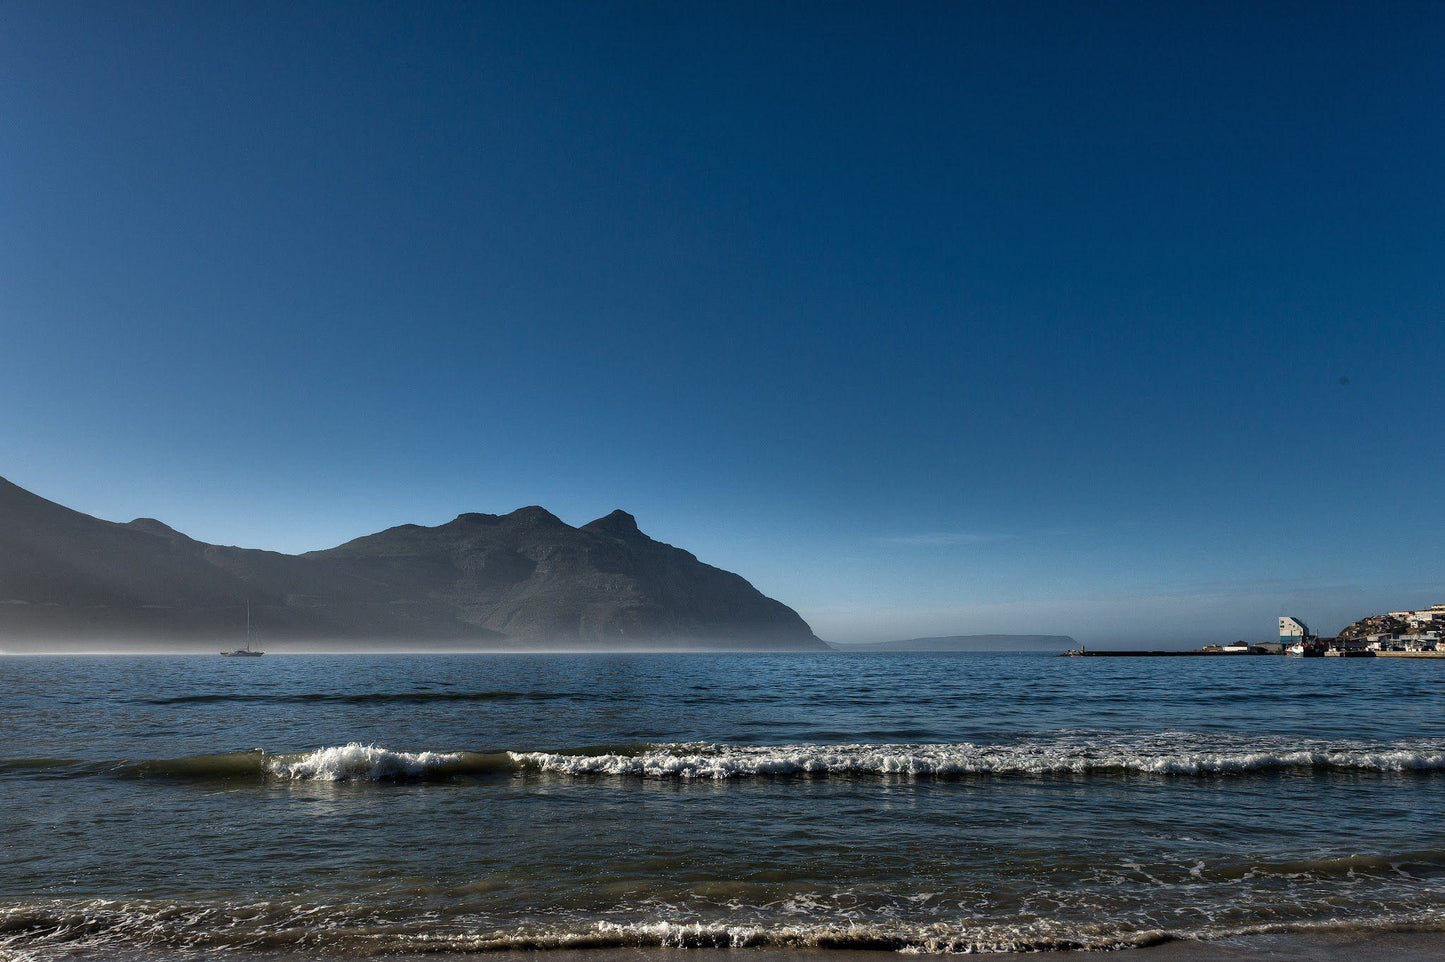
{"x": 246, "y": 652}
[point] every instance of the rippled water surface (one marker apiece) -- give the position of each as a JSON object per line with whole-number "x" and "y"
{"x": 921, "y": 802}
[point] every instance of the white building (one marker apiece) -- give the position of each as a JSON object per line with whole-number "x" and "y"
{"x": 1292, "y": 630}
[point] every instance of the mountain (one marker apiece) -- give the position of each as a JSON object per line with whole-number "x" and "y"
{"x": 519, "y": 580}
{"x": 971, "y": 643}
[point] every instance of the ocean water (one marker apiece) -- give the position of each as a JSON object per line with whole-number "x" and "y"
{"x": 178, "y": 806}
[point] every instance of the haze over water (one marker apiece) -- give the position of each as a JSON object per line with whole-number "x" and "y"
{"x": 939, "y": 802}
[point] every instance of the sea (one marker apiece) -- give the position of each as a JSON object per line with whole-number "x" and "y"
{"x": 355, "y": 805}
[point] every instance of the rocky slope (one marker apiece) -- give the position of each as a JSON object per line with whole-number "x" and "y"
{"x": 525, "y": 579}
{"x": 1375, "y": 625}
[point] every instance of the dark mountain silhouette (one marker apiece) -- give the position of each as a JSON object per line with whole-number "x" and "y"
{"x": 525, "y": 580}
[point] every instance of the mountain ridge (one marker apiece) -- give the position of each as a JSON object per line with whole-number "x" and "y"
{"x": 520, "y": 580}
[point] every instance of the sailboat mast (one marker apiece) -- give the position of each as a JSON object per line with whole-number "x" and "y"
{"x": 248, "y": 626}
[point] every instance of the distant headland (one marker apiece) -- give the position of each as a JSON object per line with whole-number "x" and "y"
{"x": 979, "y": 643}
{"x": 524, "y": 580}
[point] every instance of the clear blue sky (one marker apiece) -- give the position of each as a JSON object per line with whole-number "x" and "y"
{"x": 1122, "y": 320}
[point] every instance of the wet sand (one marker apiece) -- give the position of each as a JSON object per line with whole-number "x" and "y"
{"x": 1396, "y": 947}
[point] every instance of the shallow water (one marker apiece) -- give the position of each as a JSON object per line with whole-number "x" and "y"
{"x": 918, "y": 802}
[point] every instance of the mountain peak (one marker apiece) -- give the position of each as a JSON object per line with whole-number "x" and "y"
{"x": 619, "y": 522}
{"x": 534, "y": 514}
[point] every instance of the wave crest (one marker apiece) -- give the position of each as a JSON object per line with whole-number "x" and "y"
{"x": 1066, "y": 757}
{"x": 358, "y": 762}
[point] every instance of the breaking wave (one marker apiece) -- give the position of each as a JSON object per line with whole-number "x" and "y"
{"x": 1175, "y": 755}
{"x": 357, "y": 762}
{"x": 1072, "y": 756}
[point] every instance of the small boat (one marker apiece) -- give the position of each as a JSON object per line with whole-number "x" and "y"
{"x": 248, "y": 651}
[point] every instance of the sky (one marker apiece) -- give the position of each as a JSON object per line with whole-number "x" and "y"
{"x": 1120, "y": 320}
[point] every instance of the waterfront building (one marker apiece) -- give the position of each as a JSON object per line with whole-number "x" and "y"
{"x": 1292, "y": 631}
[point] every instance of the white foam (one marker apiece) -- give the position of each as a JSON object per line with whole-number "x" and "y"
{"x": 1068, "y": 756}
{"x": 358, "y": 762}
{"x": 1167, "y": 754}
{"x": 35, "y": 930}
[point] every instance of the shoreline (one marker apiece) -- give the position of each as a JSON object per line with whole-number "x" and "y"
{"x": 1397, "y": 946}
{"x": 1335, "y": 946}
